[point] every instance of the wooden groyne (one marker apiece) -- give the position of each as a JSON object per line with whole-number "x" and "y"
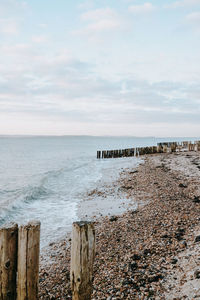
{"x": 19, "y": 261}
{"x": 165, "y": 147}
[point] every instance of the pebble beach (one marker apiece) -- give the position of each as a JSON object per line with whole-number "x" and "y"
{"x": 150, "y": 251}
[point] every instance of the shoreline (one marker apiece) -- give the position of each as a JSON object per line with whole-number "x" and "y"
{"x": 108, "y": 199}
{"x": 141, "y": 252}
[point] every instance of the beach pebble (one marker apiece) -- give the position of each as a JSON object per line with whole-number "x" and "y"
{"x": 197, "y": 274}
{"x": 113, "y": 218}
{"x": 174, "y": 261}
{"x": 197, "y": 239}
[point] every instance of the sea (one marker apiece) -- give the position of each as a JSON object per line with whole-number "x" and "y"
{"x": 45, "y": 178}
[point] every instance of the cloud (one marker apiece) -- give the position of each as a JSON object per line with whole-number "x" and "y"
{"x": 9, "y": 26}
{"x": 65, "y": 89}
{"x": 11, "y": 15}
{"x": 39, "y": 39}
{"x": 142, "y": 9}
{"x": 41, "y": 84}
{"x": 99, "y": 21}
{"x": 43, "y": 25}
{"x": 88, "y": 4}
{"x": 12, "y": 7}
{"x": 193, "y": 17}
{"x": 183, "y": 4}
{"x": 98, "y": 14}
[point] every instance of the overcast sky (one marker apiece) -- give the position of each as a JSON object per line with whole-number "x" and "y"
{"x": 106, "y": 67}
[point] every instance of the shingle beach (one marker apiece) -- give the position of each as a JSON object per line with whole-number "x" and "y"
{"x": 152, "y": 252}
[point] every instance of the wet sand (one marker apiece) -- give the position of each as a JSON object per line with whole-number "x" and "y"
{"x": 149, "y": 252}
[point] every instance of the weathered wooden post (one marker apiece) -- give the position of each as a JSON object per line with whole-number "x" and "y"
{"x": 154, "y": 149}
{"x": 159, "y": 148}
{"x": 190, "y": 147}
{"x": 165, "y": 149}
{"x": 28, "y": 261}
{"x": 8, "y": 261}
{"x": 173, "y": 147}
{"x": 135, "y": 154}
{"x": 117, "y": 153}
{"x": 82, "y": 259}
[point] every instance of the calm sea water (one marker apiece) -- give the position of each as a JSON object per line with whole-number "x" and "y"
{"x": 44, "y": 178}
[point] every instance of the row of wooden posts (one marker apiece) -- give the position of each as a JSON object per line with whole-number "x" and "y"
{"x": 160, "y": 148}
{"x": 19, "y": 261}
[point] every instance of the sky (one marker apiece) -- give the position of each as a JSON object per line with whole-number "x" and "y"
{"x": 100, "y": 67}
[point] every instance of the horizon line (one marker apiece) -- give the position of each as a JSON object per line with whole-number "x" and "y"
{"x": 96, "y": 136}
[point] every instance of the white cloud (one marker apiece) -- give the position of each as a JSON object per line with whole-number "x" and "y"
{"x": 183, "y": 3}
{"x": 67, "y": 89}
{"x": 39, "y": 39}
{"x": 12, "y": 7}
{"x": 142, "y": 9}
{"x": 11, "y": 12}
{"x": 98, "y": 14}
{"x": 98, "y": 27}
{"x": 193, "y": 17}
{"x": 42, "y": 25}
{"x": 86, "y": 4}
{"x": 8, "y": 26}
{"x": 98, "y": 21}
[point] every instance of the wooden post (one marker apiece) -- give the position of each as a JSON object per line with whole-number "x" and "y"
{"x": 154, "y": 149}
{"x": 165, "y": 149}
{"x": 173, "y": 147}
{"x": 82, "y": 259}
{"x": 159, "y": 149}
{"x": 28, "y": 261}
{"x": 117, "y": 153}
{"x": 136, "y": 151}
{"x": 8, "y": 261}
